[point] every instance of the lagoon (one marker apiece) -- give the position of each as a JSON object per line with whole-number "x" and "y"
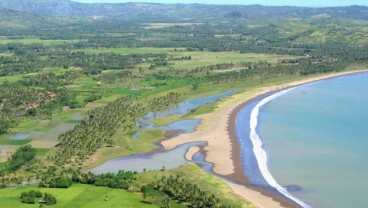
{"x": 167, "y": 159}
{"x": 179, "y": 109}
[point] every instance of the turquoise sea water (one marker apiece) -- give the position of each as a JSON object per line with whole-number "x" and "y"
{"x": 316, "y": 138}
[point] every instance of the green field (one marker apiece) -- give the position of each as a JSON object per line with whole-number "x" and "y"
{"x": 5, "y": 54}
{"x": 163, "y": 25}
{"x": 15, "y": 78}
{"x": 88, "y": 196}
{"x": 4, "y": 140}
{"x": 199, "y": 58}
{"x": 126, "y": 51}
{"x": 28, "y": 41}
{"x": 78, "y": 196}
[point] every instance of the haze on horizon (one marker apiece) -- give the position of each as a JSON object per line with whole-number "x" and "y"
{"x": 310, "y": 3}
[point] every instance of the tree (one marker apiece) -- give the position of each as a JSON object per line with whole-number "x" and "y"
{"x": 166, "y": 203}
{"x": 28, "y": 197}
{"x": 49, "y": 199}
{"x": 21, "y": 157}
{"x": 38, "y": 194}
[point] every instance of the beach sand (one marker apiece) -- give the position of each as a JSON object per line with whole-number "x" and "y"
{"x": 217, "y": 129}
{"x": 191, "y": 152}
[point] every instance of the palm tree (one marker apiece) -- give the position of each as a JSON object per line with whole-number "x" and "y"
{"x": 166, "y": 203}
{"x": 29, "y": 178}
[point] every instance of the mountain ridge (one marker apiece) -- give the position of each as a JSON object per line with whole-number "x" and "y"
{"x": 174, "y": 12}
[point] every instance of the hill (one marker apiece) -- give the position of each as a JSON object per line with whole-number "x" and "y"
{"x": 13, "y": 23}
{"x": 176, "y": 12}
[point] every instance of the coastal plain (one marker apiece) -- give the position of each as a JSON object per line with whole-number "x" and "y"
{"x": 153, "y": 90}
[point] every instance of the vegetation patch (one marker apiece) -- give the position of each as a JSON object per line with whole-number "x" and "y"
{"x": 43, "y": 198}
{"x": 22, "y": 156}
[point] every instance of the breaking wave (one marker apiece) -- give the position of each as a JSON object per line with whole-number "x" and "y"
{"x": 261, "y": 154}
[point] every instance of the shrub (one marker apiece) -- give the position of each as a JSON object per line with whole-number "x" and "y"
{"x": 28, "y": 197}
{"x": 49, "y": 199}
{"x": 38, "y": 194}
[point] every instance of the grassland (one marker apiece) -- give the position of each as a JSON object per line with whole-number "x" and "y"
{"x": 32, "y": 40}
{"x": 15, "y": 78}
{"x": 125, "y": 146}
{"x": 5, "y": 54}
{"x": 164, "y": 25}
{"x": 126, "y": 51}
{"x": 199, "y": 58}
{"x": 211, "y": 58}
{"x": 78, "y": 196}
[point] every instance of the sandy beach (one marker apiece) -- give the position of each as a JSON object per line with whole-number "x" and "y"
{"x": 191, "y": 152}
{"x": 217, "y": 129}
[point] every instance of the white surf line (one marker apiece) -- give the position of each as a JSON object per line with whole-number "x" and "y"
{"x": 261, "y": 154}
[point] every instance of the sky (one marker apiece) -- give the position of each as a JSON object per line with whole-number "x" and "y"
{"x": 309, "y": 3}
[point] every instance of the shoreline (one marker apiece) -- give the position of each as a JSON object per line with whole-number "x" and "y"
{"x": 239, "y": 170}
{"x": 223, "y": 150}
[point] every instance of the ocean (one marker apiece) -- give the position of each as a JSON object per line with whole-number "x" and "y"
{"x": 310, "y": 143}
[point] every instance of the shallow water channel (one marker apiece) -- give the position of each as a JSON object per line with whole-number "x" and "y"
{"x": 167, "y": 159}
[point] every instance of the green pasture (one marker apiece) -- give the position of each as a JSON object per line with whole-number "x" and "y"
{"x": 125, "y": 146}
{"x": 126, "y": 51}
{"x": 80, "y": 195}
{"x": 4, "y": 140}
{"x": 77, "y": 196}
{"x": 15, "y": 78}
{"x": 199, "y": 58}
{"x": 164, "y": 25}
{"x": 5, "y": 54}
{"x": 42, "y": 152}
{"x": 3, "y": 164}
{"x": 28, "y": 41}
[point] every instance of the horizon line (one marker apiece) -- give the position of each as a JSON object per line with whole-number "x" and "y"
{"x": 225, "y": 4}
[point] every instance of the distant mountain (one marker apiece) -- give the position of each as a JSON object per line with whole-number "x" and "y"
{"x": 175, "y": 12}
{"x": 46, "y": 7}
{"x": 10, "y": 19}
